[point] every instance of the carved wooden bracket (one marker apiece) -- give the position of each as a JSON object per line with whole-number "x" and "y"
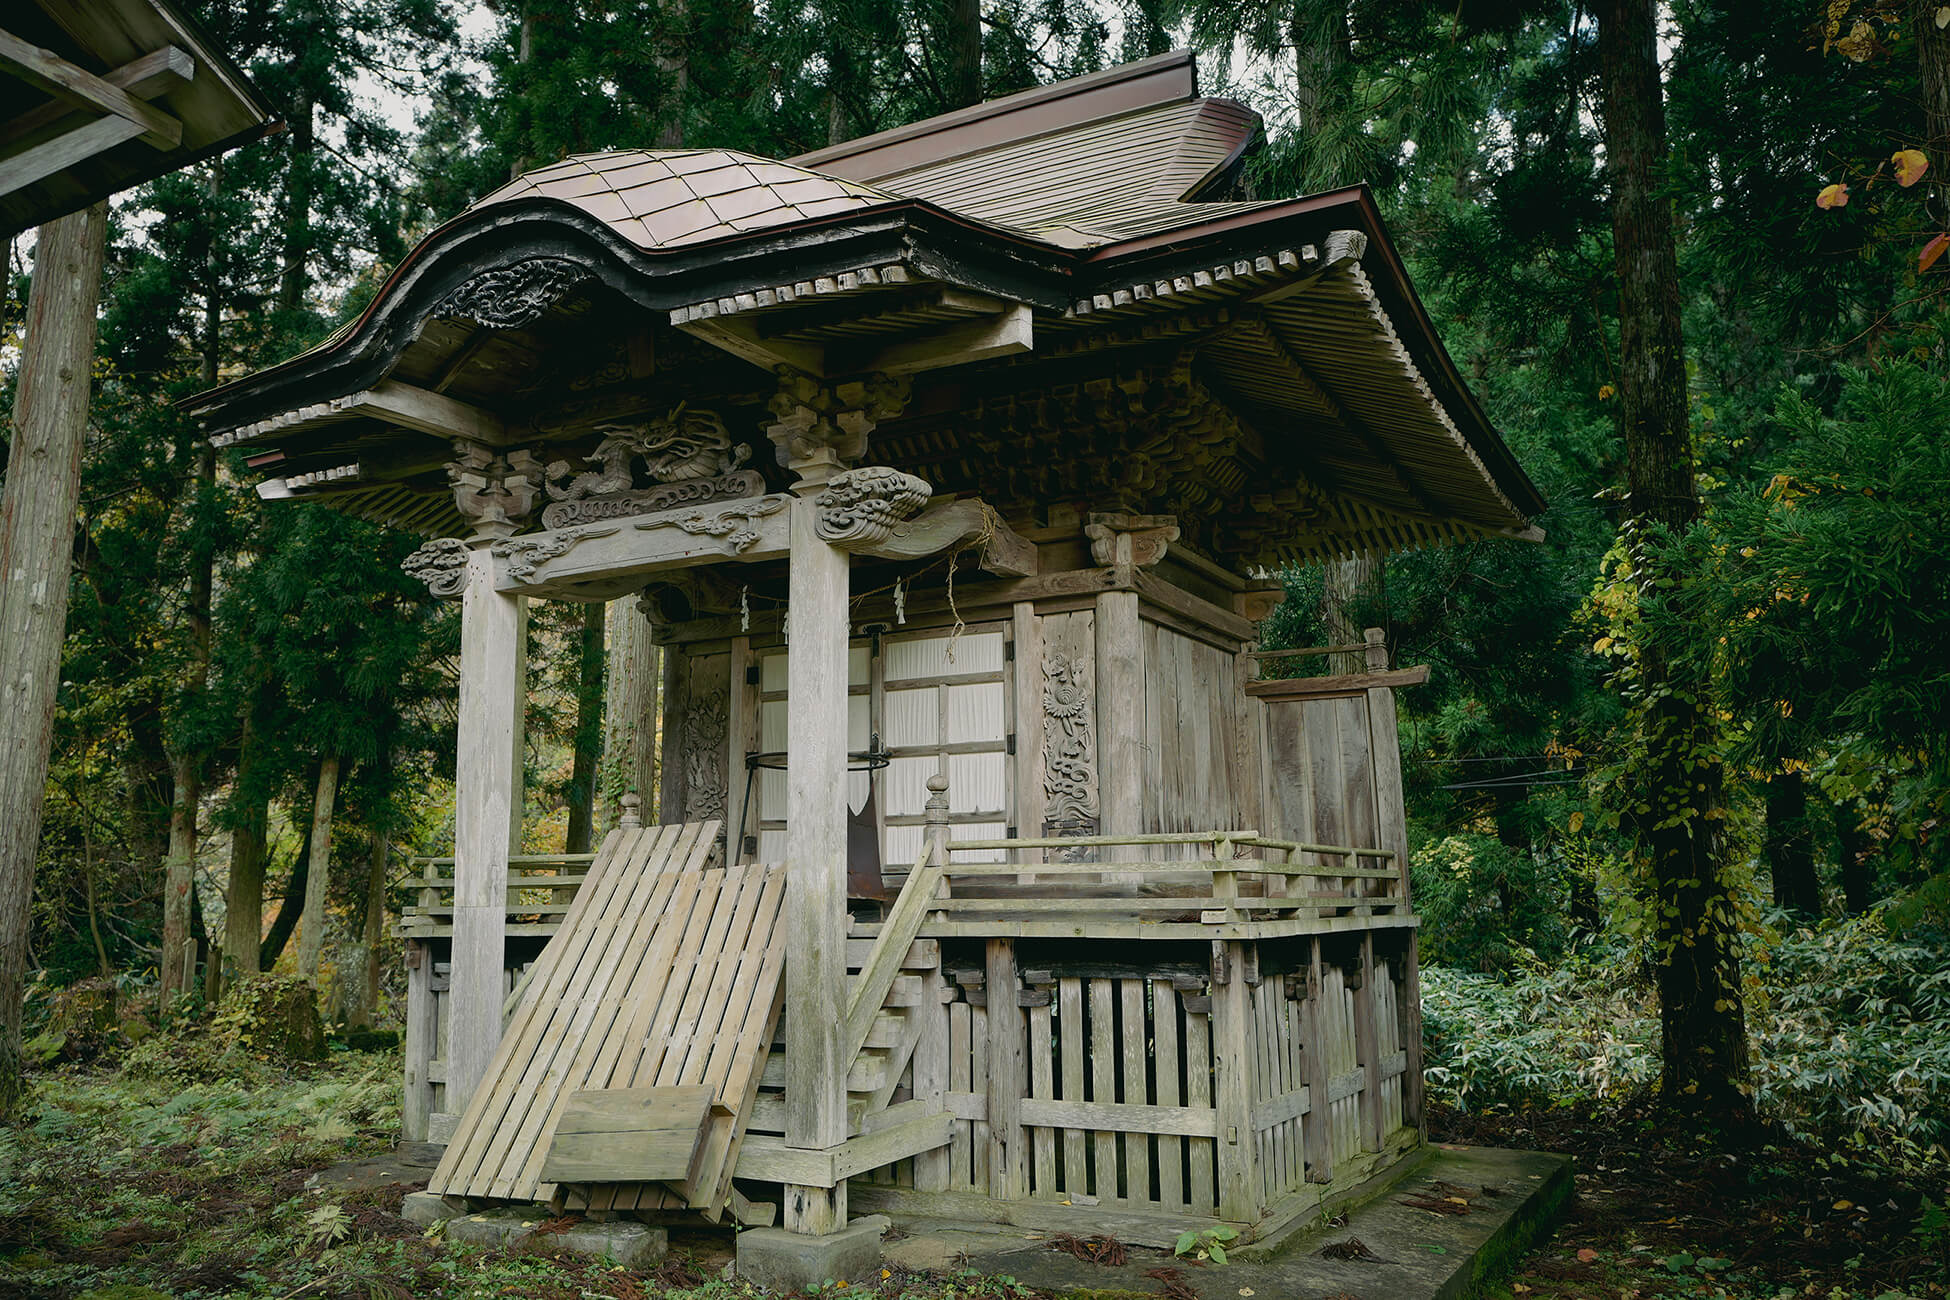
{"x": 442, "y": 565}
{"x": 496, "y": 491}
{"x": 820, "y": 428}
{"x": 861, "y": 507}
{"x": 1130, "y": 539}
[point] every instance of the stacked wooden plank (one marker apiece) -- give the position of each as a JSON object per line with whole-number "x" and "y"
{"x": 663, "y": 976}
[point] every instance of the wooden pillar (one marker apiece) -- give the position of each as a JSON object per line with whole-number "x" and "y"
{"x": 1232, "y": 1054}
{"x": 1391, "y": 816}
{"x": 816, "y": 922}
{"x": 1367, "y": 1048}
{"x": 1319, "y": 1128}
{"x": 486, "y": 808}
{"x": 417, "y": 1107}
{"x": 1008, "y": 1154}
{"x": 1120, "y": 716}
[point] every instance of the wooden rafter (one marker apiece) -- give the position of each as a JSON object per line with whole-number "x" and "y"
{"x": 83, "y": 89}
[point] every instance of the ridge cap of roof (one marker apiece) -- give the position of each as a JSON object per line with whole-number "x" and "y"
{"x": 1175, "y": 74}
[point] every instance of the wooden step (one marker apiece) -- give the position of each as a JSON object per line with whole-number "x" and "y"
{"x": 869, "y": 1072}
{"x": 922, "y": 954}
{"x": 889, "y": 1028}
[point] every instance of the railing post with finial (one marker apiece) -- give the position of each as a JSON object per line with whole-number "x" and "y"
{"x": 632, "y": 818}
{"x": 936, "y": 833}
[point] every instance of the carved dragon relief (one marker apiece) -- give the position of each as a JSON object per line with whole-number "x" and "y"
{"x": 1069, "y": 749}
{"x": 688, "y": 454}
{"x": 862, "y": 507}
{"x": 512, "y": 296}
{"x": 442, "y": 565}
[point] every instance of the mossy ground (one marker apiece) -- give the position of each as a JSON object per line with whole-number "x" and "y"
{"x": 149, "y": 1185}
{"x": 125, "y": 1185}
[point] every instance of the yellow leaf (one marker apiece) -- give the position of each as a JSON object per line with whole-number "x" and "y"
{"x": 1942, "y": 17}
{"x": 1577, "y": 822}
{"x": 1606, "y": 392}
{"x": 1602, "y": 644}
{"x": 1860, "y": 43}
{"x": 1910, "y": 166}
{"x": 1833, "y": 196}
{"x": 1931, "y": 251}
{"x": 1845, "y": 1205}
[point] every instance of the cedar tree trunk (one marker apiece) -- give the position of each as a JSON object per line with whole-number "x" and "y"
{"x": 1679, "y": 781}
{"x": 311, "y": 935}
{"x": 37, "y": 524}
{"x": 589, "y": 731}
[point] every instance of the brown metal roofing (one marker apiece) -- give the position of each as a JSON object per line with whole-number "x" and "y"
{"x": 1096, "y": 183}
{"x": 1043, "y": 110}
{"x": 668, "y": 198}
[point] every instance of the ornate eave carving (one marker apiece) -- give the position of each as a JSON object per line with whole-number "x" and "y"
{"x": 512, "y": 296}
{"x": 442, "y": 565}
{"x": 862, "y": 507}
{"x": 688, "y": 455}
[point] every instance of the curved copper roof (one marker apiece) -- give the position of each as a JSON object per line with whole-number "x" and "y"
{"x": 669, "y": 197}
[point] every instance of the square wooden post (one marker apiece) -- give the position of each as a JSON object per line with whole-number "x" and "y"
{"x": 417, "y": 1106}
{"x": 1008, "y": 1080}
{"x": 816, "y": 922}
{"x": 1232, "y": 1056}
{"x": 1367, "y": 1048}
{"x": 486, "y": 810}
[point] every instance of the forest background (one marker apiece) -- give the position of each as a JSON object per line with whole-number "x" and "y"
{"x": 257, "y": 703}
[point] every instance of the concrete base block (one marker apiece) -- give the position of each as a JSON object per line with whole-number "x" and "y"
{"x": 622, "y": 1241}
{"x": 426, "y": 1209}
{"x": 508, "y": 1225}
{"x": 790, "y": 1262}
{"x": 619, "y": 1241}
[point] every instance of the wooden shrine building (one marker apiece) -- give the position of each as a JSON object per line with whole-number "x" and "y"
{"x": 950, "y": 466}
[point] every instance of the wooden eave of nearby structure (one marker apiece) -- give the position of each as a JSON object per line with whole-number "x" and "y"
{"x": 105, "y": 94}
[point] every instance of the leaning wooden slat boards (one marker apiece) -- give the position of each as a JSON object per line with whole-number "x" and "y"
{"x": 664, "y": 981}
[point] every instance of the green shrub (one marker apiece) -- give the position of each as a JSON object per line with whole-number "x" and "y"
{"x": 1849, "y": 1028}
{"x": 1852, "y": 1039}
{"x": 1556, "y": 1037}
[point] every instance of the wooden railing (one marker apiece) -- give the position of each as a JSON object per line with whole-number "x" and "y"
{"x": 541, "y": 889}
{"x": 1245, "y": 885}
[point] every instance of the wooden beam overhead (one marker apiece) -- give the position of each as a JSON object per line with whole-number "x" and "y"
{"x": 1010, "y": 330}
{"x": 83, "y": 89}
{"x": 156, "y": 73}
{"x": 64, "y": 151}
{"x": 430, "y": 412}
